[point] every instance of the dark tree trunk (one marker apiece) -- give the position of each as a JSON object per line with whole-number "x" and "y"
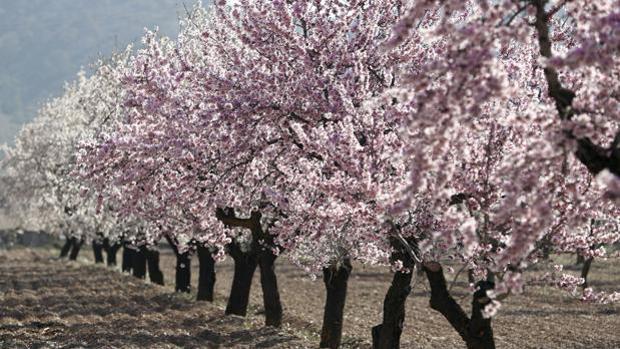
{"x": 98, "y": 251}
{"x": 480, "y": 330}
{"x": 111, "y": 251}
{"x": 138, "y": 263}
{"x": 387, "y": 334}
{"x": 77, "y": 244}
{"x": 470, "y": 276}
{"x": 546, "y": 248}
{"x": 183, "y": 268}
{"x": 206, "y": 276}
{"x": 476, "y": 332}
{"x": 580, "y": 260}
{"x": 64, "y": 251}
{"x": 127, "y": 259}
{"x": 245, "y": 265}
{"x": 155, "y": 273}
{"x": 183, "y": 273}
{"x": 269, "y": 284}
{"x": 585, "y": 270}
{"x": 335, "y": 280}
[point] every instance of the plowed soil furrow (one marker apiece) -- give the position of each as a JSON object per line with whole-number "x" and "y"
{"x": 47, "y": 303}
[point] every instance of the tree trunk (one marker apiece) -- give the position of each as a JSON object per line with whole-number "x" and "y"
{"x": 183, "y": 268}
{"x": 245, "y": 265}
{"x": 77, "y": 244}
{"x": 387, "y": 334}
{"x": 155, "y": 273}
{"x": 580, "y": 260}
{"x": 183, "y": 273}
{"x": 206, "y": 276}
{"x": 335, "y": 280}
{"x": 127, "y": 258}
{"x": 476, "y": 332}
{"x": 546, "y": 248}
{"x": 111, "y": 251}
{"x": 480, "y": 330}
{"x": 64, "y": 251}
{"x": 98, "y": 251}
{"x": 470, "y": 276}
{"x": 585, "y": 270}
{"x": 138, "y": 263}
{"x": 269, "y": 284}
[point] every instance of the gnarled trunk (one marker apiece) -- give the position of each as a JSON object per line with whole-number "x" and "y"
{"x": 98, "y": 251}
{"x": 245, "y": 265}
{"x": 480, "y": 330}
{"x": 64, "y": 251}
{"x": 476, "y": 332}
{"x": 138, "y": 263}
{"x": 75, "y": 250}
{"x": 269, "y": 284}
{"x": 206, "y": 275}
{"x": 152, "y": 259}
{"x": 387, "y": 334}
{"x": 335, "y": 279}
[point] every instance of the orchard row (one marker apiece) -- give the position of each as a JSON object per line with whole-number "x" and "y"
{"x": 409, "y": 134}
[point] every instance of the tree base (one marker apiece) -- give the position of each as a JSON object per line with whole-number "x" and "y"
{"x": 335, "y": 280}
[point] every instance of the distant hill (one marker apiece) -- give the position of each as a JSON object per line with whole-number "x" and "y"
{"x": 45, "y": 42}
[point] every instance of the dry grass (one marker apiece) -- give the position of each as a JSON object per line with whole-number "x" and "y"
{"x": 78, "y": 304}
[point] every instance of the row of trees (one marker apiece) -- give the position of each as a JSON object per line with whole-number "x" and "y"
{"x": 396, "y": 133}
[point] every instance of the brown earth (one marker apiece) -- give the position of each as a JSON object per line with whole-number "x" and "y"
{"x": 46, "y": 303}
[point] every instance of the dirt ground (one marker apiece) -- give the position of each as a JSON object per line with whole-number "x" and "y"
{"x": 47, "y": 303}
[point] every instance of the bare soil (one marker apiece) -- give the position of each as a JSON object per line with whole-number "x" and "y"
{"x": 47, "y": 303}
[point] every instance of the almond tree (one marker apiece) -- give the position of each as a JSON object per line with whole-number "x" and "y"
{"x": 489, "y": 67}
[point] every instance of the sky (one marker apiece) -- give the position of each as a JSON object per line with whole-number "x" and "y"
{"x": 45, "y": 42}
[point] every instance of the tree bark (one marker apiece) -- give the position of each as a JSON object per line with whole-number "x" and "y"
{"x": 480, "y": 330}
{"x": 245, "y": 265}
{"x": 580, "y": 260}
{"x": 183, "y": 273}
{"x": 183, "y": 267}
{"x": 387, "y": 334}
{"x": 269, "y": 284}
{"x": 335, "y": 279}
{"x": 476, "y": 332}
{"x": 64, "y": 251}
{"x": 152, "y": 259}
{"x": 545, "y": 247}
{"x": 97, "y": 251}
{"x": 127, "y": 258}
{"x": 595, "y": 157}
{"x": 138, "y": 263}
{"x": 585, "y": 270}
{"x": 77, "y": 244}
{"x": 111, "y": 251}
{"x": 470, "y": 276}
{"x": 206, "y": 276}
